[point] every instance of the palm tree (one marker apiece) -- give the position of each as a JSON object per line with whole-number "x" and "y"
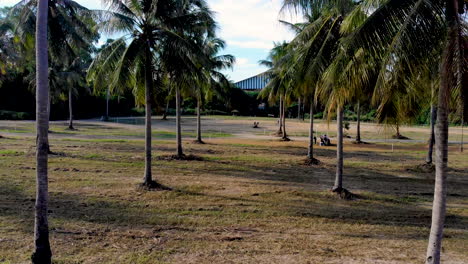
{"x": 213, "y": 83}
{"x": 279, "y": 84}
{"x": 156, "y": 33}
{"x": 400, "y": 35}
{"x": 315, "y": 48}
{"x": 42, "y": 253}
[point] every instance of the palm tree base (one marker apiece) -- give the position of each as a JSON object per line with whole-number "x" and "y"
{"x": 42, "y": 257}
{"x": 278, "y": 133}
{"x": 400, "y": 136}
{"x": 285, "y": 139}
{"x": 180, "y": 157}
{"x": 311, "y": 161}
{"x": 1, "y": 136}
{"x": 424, "y": 168}
{"x": 198, "y": 141}
{"x": 358, "y": 142}
{"x": 71, "y": 128}
{"x": 343, "y": 193}
{"x": 153, "y": 186}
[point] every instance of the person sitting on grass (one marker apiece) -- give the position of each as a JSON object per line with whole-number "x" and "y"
{"x": 325, "y": 140}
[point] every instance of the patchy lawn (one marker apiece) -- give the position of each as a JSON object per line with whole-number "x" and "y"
{"x": 246, "y": 201}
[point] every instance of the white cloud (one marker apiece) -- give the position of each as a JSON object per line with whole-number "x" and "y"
{"x": 245, "y": 63}
{"x": 242, "y": 61}
{"x": 254, "y": 21}
{"x": 253, "y": 44}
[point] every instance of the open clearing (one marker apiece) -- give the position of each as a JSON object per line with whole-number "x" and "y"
{"x": 250, "y": 200}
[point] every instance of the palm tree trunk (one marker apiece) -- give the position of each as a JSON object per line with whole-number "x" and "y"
{"x": 106, "y": 118}
{"x": 462, "y": 125}
{"x": 280, "y": 130}
{"x": 165, "y": 112}
{"x": 199, "y": 139}
{"x": 432, "y": 137}
{"x": 339, "y": 152}
{"x": 440, "y": 189}
{"x": 148, "y": 178}
{"x": 299, "y": 109}
{"x": 70, "y": 108}
{"x": 285, "y": 135}
{"x": 358, "y": 126}
{"x": 42, "y": 253}
{"x": 178, "y": 126}
{"x": 310, "y": 151}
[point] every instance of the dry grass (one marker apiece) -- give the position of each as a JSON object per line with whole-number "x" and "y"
{"x": 246, "y": 201}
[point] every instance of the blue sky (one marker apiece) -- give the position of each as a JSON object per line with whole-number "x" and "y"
{"x": 248, "y": 26}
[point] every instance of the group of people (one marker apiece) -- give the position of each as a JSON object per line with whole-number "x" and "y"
{"x": 324, "y": 140}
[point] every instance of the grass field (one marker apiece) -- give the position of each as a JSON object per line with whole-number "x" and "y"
{"x": 250, "y": 200}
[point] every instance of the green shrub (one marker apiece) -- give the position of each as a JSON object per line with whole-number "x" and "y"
{"x": 12, "y": 115}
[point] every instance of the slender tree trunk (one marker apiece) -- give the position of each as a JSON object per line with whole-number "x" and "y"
{"x": 339, "y": 152}
{"x": 462, "y": 125}
{"x": 358, "y": 127}
{"x": 199, "y": 138}
{"x": 398, "y": 130}
{"x": 165, "y": 112}
{"x": 148, "y": 178}
{"x": 310, "y": 151}
{"x": 432, "y": 136}
{"x": 106, "y": 118}
{"x": 299, "y": 109}
{"x": 70, "y": 108}
{"x": 42, "y": 253}
{"x": 440, "y": 190}
{"x": 178, "y": 126}
{"x": 285, "y": 135}
{"x": 280, "y": 130}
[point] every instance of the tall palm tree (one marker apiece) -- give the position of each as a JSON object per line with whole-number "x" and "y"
{"x": 400, "y": 35}
{"x": 213, "y": 82}
{"x": 42, "y": 253}
{"x": 275, "y": 88}
{"x": 279, "y": 84}
{"x": 316, "y": 47}
{"x": 156, "y": 33}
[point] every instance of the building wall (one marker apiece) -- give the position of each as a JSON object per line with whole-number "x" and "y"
{"x": 256, "y": 82}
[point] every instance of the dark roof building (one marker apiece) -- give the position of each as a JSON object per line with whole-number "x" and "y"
{"x": 257, "y": 82}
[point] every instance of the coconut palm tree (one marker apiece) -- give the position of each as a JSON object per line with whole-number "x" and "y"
{"x": 157, "y": 32}
{"x": 213, "y": 83}
{"x": 400, "y": 35}
{"x": 278, "y": 86}
{"x": 316, "y": 47}
{"x": 42, "y": 252}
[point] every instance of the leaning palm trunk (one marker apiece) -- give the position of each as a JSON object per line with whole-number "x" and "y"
{"x": 310, "y": 150}
{"x": 70, "y": 109}
{"x": 432, "y": 137}
{"x": 178, "y": 126}
{"x": 199, "y": 138}
{"x": 358, "y": 126}
{"x": 447, "y": 80}
{"x": 148, "y": 179}
{"x": 339, "y": 152}
{"x": 42, "y": 253}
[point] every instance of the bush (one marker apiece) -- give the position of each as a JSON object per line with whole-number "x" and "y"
{"x": 12, "y": 115}
{"x": 214, "y": 112}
